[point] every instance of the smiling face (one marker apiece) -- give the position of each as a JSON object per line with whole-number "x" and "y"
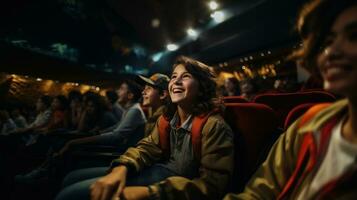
{"x": 151, "y": 96}
{"x": 183, "y": 87}
{"x": 337, "y": 60}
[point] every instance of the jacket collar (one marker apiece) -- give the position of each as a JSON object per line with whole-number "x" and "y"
{"x": 331, "y": 111}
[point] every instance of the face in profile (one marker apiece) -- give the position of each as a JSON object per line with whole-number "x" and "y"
{"x": 123, "y": 92}
{"x": 150, "y": 95}
{"x": 337, "y": 59}
{"x": 183, "y": 87}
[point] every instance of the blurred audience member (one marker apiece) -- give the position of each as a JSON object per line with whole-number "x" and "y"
{"x": 231, "y": 86}
{"x": 18, "y": 118}
{"x": 114, "y": 106}
{"x": 248, "y": 89}
{"x": 7, "y": 125}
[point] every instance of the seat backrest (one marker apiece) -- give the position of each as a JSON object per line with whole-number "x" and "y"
{"x": 254, "y": 126}
{"x": 282, "y": 103}
{"x": 234, "y": 99}
{"x": 295, "y": 113}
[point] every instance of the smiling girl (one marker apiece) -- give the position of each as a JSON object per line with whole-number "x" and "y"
{"x": 317, "y": 157}
{"x": 188, "y": 155}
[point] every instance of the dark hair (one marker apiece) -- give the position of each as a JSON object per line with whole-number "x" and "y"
{"x": 4, "y": 115}
{"x": 74, "y": 94}
{"x": 314, "y": 24}
{"x": 46, "y": 100}
{"x": 206, "y": 83}
{"x": 111, "y": 96}
{"x": 235, "y": 82}
{"x": 64, "y": 102}
{"x": 98, "y": 102}
{"x": 134, "y": 88}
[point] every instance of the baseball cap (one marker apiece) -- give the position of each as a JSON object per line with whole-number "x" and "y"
{"x": 157, "y": 80}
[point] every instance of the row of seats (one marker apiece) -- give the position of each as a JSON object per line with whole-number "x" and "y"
{"x": 283, "y": 103}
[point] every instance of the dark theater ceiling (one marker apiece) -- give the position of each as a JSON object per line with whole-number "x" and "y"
{"x": 123, "y": 36}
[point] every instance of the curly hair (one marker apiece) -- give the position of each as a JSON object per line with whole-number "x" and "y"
{"x": 206, "y": 83}
{"x": 314, "y": 23}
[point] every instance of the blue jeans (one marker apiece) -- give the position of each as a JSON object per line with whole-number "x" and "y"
{"x": 76, "y": 184}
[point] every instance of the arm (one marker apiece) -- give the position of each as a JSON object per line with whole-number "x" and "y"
{"x": 40, "y": 122}
{"x": 134, "y": 159}
{"x": 271, "y": 177}
{"x": 75, "y": 142}
{"x": 146, "y": 153}
{"x": 131, "y": 121}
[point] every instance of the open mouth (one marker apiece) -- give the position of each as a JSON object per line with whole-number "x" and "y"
{"x": 177, "y": 90}
{"x": 336, "y": 71}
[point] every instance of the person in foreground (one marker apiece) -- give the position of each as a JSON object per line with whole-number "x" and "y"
{"x": 316, "y": 157}
{"x": 188, "y": 155}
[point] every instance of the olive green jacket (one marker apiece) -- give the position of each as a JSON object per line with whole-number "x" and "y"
{"x": 151, "y": 121}
{"x": 215, "y": 170}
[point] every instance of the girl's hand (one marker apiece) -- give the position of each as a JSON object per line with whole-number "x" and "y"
{"x": 109, "y": 186}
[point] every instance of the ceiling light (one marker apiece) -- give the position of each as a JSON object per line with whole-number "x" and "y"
{"x": 172, "y": 47}
{"x": 156, "y": 57}
{"x": 155, "y": 23}
{"x": 192, "y": 33}
{"x": 218, "y": 16}
{"x": 213, "y": 5}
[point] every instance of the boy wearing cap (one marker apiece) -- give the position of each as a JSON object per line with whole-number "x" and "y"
{"x": 155, "y": 96}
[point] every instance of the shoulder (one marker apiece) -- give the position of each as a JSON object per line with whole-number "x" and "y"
{"x": 317, "y": 115}
{"x": 134, "y": 110}
{"x": 216, "y": 123}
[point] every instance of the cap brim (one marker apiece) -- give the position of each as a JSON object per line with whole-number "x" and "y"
{"x": 146, "y": 80}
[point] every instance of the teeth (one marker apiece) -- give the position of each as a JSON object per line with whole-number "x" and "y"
{"x": 177, "y": 90}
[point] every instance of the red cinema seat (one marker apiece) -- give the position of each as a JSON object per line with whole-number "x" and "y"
{"x": 282, "y": 103}
{"x": 234, "y": 99}
{"x": 295, "y": 113}
{"x": 255, "y": 129}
